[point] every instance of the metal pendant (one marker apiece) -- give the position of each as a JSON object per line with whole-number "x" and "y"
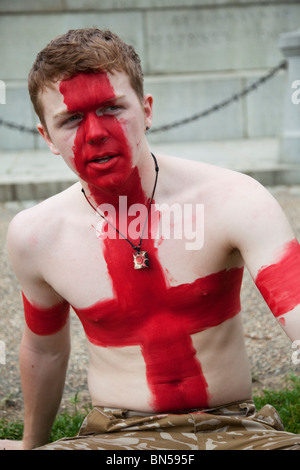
{"x": 140, "y": 260}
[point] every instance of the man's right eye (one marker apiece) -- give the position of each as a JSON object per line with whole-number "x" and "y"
{"x": 74, "y": 118}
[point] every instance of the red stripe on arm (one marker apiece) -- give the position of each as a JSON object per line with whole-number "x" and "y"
{"x": 279, "y": 283}
{"x": 45, "y": 321}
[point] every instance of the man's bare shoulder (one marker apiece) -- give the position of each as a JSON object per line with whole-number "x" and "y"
{"x": 38, "y": 222}
{"x": 212, "y": 181}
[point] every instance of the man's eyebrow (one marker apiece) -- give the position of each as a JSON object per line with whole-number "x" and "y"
{"x": 61, "y": 114}
{"x": 112, "y": 100}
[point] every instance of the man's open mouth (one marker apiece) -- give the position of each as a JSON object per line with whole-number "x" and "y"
{"x": 103, "y": 159}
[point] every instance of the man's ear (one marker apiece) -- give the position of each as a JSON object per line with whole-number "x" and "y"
{"x": 46, "y": 137}
{"x": 148, "y": 110}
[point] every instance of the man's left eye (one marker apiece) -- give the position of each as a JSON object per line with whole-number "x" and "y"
{"x": 74, "y": 118}
{"x": 107, "y": 109}
{"x": 113, "y": 108}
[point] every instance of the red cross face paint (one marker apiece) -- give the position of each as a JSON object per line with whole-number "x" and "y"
{"x": 45, "y": 321}
{"x": 102, "y": 154}
{"x": 145, "y": 311}
{"x": 279, "y": 283}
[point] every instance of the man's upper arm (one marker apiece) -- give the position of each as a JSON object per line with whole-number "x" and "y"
{"x": 45, "y": 311}
{"x": 271, "y": 253}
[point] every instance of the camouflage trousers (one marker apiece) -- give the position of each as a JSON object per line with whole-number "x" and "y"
{"x": 237, "y": 426}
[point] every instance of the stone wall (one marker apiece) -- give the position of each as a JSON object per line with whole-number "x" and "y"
{"x": 195, "y": 53}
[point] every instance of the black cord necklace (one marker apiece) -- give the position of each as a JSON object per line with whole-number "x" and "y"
{"x": 140, "y": 258}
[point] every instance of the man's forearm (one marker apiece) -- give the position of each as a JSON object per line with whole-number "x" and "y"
{"x": 43, "y": 377}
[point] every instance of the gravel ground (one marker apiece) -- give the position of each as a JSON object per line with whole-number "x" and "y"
{"x": 269, "y": 350}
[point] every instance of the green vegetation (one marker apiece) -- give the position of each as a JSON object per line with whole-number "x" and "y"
{"x": 66, "y": 424}
{"x": 286, "y": 402}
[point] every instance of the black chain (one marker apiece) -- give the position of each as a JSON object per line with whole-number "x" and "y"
{"x": 18, "y": 127}
{"x": 223, "y": 104}
{"x": 194, "y": 117}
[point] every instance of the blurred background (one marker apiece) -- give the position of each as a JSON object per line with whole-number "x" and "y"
{"x": 195, "y": 53}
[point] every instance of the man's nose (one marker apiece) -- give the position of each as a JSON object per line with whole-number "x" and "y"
{"x": 96, "y": 130}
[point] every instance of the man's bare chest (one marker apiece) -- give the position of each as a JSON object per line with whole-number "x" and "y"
{"x": 85, "y": 268}
{"x": 156, "y": 308}
{"x": 97, "y": 277}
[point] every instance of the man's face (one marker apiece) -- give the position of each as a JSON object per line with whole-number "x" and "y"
{"x": 97, "y": 123}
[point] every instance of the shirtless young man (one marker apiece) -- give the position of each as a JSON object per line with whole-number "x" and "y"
{"x": 165, "y": 341}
